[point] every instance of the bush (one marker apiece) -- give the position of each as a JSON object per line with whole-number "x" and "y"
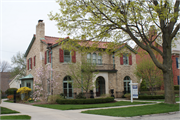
{"x": 147, "y": 97}
{"x": 128, "y": 96}
{"x": 80, "y": 96}
{"x": 143, "y": 86}
{"x": 176, "y": 87}
{"x": 85, "y": 101}
{"x": 10, "y": 97}
{"x": 52, "y": 98}
{"x": 10, "y": 91}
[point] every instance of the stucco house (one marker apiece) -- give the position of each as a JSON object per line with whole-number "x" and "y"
{"x": 115, "y": 72}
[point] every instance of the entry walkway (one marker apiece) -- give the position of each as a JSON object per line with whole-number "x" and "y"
{"x": 39, "y": 113}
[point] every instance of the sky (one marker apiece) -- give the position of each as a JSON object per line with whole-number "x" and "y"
{"x": 18, "y": 20}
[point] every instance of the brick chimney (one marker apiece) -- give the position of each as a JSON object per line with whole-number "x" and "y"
{"x": 40, "y": 30}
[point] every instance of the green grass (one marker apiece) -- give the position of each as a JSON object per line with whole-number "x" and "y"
{"x": 7, "y": 111}
{"x": 24, "y": 117}
{"x": 136, "y": 110}
{"x": 160, "y": 100}
{"x": 84, "y": 106}
{"x": 11, "y": 101}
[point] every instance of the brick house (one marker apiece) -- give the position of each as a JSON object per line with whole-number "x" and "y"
{"x": 5, "y": 79}
{"x": 142, "y": 54}
{"x": 114, "y": 72}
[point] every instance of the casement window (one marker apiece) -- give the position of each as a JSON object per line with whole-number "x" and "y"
{"x": 89, "y": 57}
{"x": 67, "y": 56}
{"x": 99, "y": 59}
{"x": 47, "y": 56}
{"x": 94, "y": 58}
{"x": 29, "y": 63}
{"x": 178, "y": 63}
{"x": 126, "y": 59}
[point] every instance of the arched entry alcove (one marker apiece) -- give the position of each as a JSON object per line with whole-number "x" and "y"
{"x": 67, "y": 87}
{"x": 100, "y": 86}
{"x": 127, "y": 80}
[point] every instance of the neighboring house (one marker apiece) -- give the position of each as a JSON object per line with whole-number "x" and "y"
{"x": 115, "y": 72}
{"x": 5, "y": 80}
{"x": 142, "y": 54}
{"x": 15, "y": 83}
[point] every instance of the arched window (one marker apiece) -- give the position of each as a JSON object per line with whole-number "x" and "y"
{"x": 89, "y": 57}
{"x": 94, "y": 58}
{"x": 67, "y": 87}
{"x": 99, "y": 59}
{"x": 127, "y": 80}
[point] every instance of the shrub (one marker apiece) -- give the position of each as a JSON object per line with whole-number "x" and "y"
{"x": 10, "y": 91}
{"x": 85, "y": 101}
{"x": 147, "y": 97}
{"x": 128, "y": 96}
{"x": 10, "y": 97}
{"x": 143, "y": 86}
{"x": 62, "y": 95}
{"x": 52, "y": 98}
{"x": 176, "y": 87}
{"x": 80, "y": 96}
{"x": 24, "y": 90}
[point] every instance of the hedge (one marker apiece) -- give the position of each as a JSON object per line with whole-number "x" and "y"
{"x": 85, "y": 101}
{"x": 147, "y": 97}
{"x": 10, "y": 91}
{"x": 176, "y": 87}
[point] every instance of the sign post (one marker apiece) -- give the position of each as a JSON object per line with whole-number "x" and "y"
{"x": 134, "y": 90}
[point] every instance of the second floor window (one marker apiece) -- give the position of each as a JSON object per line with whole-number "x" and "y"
{"x": 99, "y": 59}
{"x": 94, "y": 58}
{"x": 178, "y": 62}
{"x": 67, "y": 56}
{"x": 29, "y": 63}
{"x": 125, "y": 59}
{"x": 89, "y": 57}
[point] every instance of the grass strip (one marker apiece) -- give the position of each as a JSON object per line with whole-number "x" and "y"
{"x": 7, "y": 111}
{"x": 24, "y": 117}
{"x": 136, "y": 110}
{"x": 160, "y": 100}
{"x": 10, "y": 101}
{"x": 85, "y": 106}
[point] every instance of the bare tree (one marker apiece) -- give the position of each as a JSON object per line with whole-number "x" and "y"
{"x": 4, "y": 66}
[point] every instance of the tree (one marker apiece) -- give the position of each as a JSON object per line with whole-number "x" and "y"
{"x": 82, "y": 73}
{"x": 44, "y": 84}
{"x": 19, "y": 65}
{"x": 150, "y": 74}
{"x": 115, "y": 20}
{"x": 4, "y": 66}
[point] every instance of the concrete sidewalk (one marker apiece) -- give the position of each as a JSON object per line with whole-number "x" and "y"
{"x": 39, "y": 113}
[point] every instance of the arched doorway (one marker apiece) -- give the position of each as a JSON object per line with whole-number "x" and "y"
{"x": 100, "y": 86}
{"x": 67, "y": 87}
{"x": 127, "y": 80}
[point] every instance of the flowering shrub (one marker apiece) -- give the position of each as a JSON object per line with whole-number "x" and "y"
{"x": 10, "y": 97}
{"x": 23, "y": 90}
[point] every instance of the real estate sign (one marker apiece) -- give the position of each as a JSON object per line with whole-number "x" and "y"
{"x": 134, "y": 90}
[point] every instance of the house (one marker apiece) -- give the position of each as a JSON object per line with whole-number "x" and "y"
{"x": 5, "y": 79}
{"x": 142, "y": 54}
{"x": 15, "y": 82}
{"x": 115, "y": 72}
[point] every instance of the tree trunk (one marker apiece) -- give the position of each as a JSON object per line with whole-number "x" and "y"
{"x": 167, "y": 72}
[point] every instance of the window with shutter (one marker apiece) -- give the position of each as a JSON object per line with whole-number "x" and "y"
{"x": 67, "y": 56}
{"x": 28, "y": 64}
{"x": 130, "y": 59}
{"x": 125, "y": 59}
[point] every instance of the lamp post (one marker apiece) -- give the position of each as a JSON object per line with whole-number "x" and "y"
{"x": 49, "y": 47}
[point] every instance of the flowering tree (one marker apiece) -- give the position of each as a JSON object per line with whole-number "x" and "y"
{"x": 44, "y": 83}
{"x": 24, "y": 90}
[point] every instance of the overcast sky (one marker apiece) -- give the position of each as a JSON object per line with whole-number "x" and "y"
{"x": 18, "y": 20}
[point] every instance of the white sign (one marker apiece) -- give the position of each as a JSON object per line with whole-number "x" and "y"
{"x": 135, "y": 91}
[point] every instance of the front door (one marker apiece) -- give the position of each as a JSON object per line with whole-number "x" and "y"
{"x": 100, "y": 86}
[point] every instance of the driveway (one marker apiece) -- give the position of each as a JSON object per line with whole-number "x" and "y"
{"x": 39, "y": 113}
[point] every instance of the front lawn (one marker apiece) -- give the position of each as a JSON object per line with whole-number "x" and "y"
{"x": 7, "y": 111}
{"x": 160, "y": 100}
{"x": 136, "y": 110}
{"x": 85, "y": 106}
{"x": 24, "y": 117}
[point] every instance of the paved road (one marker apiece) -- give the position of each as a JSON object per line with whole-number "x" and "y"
{"x": 39, "y": 113}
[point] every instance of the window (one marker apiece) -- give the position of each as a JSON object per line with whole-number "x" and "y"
{"x": 89, "y": 57}
{"x": 67, "y": 56}
{"x": 28, "y": 84}
{"x": 29, "y": 63}
{"x": 99, "y": 59}
{"x": 34, "y": 60}
{"x": 178, "y": 62}
{"x": 67, "y": 87}
{"x": 94, "y": 58}
{"x": 125, "y": 59}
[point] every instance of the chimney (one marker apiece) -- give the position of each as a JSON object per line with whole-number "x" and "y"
{"x": 40, "y": 30}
